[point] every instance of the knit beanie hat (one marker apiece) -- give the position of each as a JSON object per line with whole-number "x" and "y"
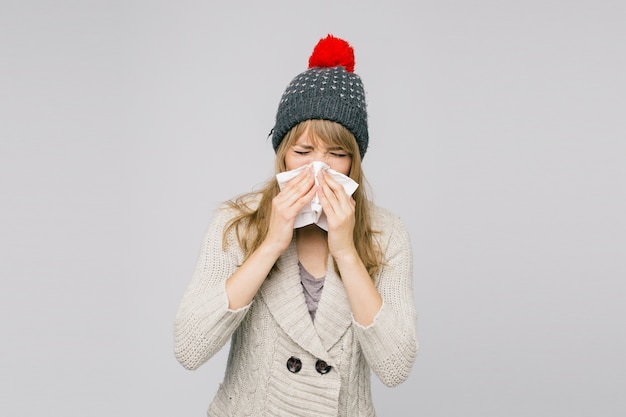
{"x": 328, "y": 90}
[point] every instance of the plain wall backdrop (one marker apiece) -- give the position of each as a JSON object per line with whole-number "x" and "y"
{"x": 497, "y": 134}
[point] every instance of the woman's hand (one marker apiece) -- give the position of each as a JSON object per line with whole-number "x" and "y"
{"x": 298, "y": 192}
{"x": 339, "y": 208}
{"x": 365, "y": 301}
{"x": 242, "y": 285}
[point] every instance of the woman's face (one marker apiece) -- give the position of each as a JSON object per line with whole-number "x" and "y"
{"x": 307, "y": 149}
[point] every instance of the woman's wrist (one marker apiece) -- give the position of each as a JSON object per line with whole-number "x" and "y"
{"x": 270, "y": 250}
{"x": 347, "y": 256}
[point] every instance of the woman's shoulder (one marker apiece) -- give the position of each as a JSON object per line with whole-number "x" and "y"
{"x": 241, "y": 204}
{"x": 390, "y": 231}
{"x": 383, "y": 218}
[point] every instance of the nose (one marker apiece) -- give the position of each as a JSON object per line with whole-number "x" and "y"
{"x": 317, "y": 156}
{"x": 322, "y": 156}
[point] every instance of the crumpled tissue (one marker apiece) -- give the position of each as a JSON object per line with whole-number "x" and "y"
{"x": 312, "y": 213}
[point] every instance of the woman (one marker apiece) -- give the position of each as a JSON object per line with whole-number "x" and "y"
{"x": 309, "y": 309}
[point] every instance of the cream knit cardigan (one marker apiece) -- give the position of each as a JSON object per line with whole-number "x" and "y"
{"x": 276, "y": 326}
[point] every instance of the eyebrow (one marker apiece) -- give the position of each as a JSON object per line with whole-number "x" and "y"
{"x": 303, "y": 146}
{"x": 331, "y": 148}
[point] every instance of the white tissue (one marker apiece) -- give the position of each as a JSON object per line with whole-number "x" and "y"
{"x": 313, "y": 213}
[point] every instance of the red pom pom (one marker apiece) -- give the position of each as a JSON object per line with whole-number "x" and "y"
{"x": 332, "y": 52}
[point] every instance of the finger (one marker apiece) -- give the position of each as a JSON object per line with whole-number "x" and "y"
{"x": 304, "y": 176}
{"x": 333, "y": 190}
{"x": 328, "y": 198}
{"x": 298, "y": 187}
{"x": 334, "y": 185}
{"x": 336, "y": 201}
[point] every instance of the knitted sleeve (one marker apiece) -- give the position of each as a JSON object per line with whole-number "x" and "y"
{"x": 389, "y": 344}
{"x": 203, "y": 322}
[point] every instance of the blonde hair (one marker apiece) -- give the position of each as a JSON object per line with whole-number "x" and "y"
{"x": 251, "y": 225}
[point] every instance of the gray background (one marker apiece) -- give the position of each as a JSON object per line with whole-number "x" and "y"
{"x": 497, "y": 134}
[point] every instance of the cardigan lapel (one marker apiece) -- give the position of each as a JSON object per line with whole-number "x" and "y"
{"x": 283, "y": 295}
{"x": 333, "y": 315}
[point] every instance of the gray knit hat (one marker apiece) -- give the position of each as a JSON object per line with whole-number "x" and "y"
{"x": 328, "y": 90}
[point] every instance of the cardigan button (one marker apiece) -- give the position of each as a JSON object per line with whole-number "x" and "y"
{"x": 322, "y": 367}
{"x": 294, "y": 364}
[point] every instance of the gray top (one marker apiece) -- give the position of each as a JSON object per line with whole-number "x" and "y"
{"x": 312, "y": 288}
